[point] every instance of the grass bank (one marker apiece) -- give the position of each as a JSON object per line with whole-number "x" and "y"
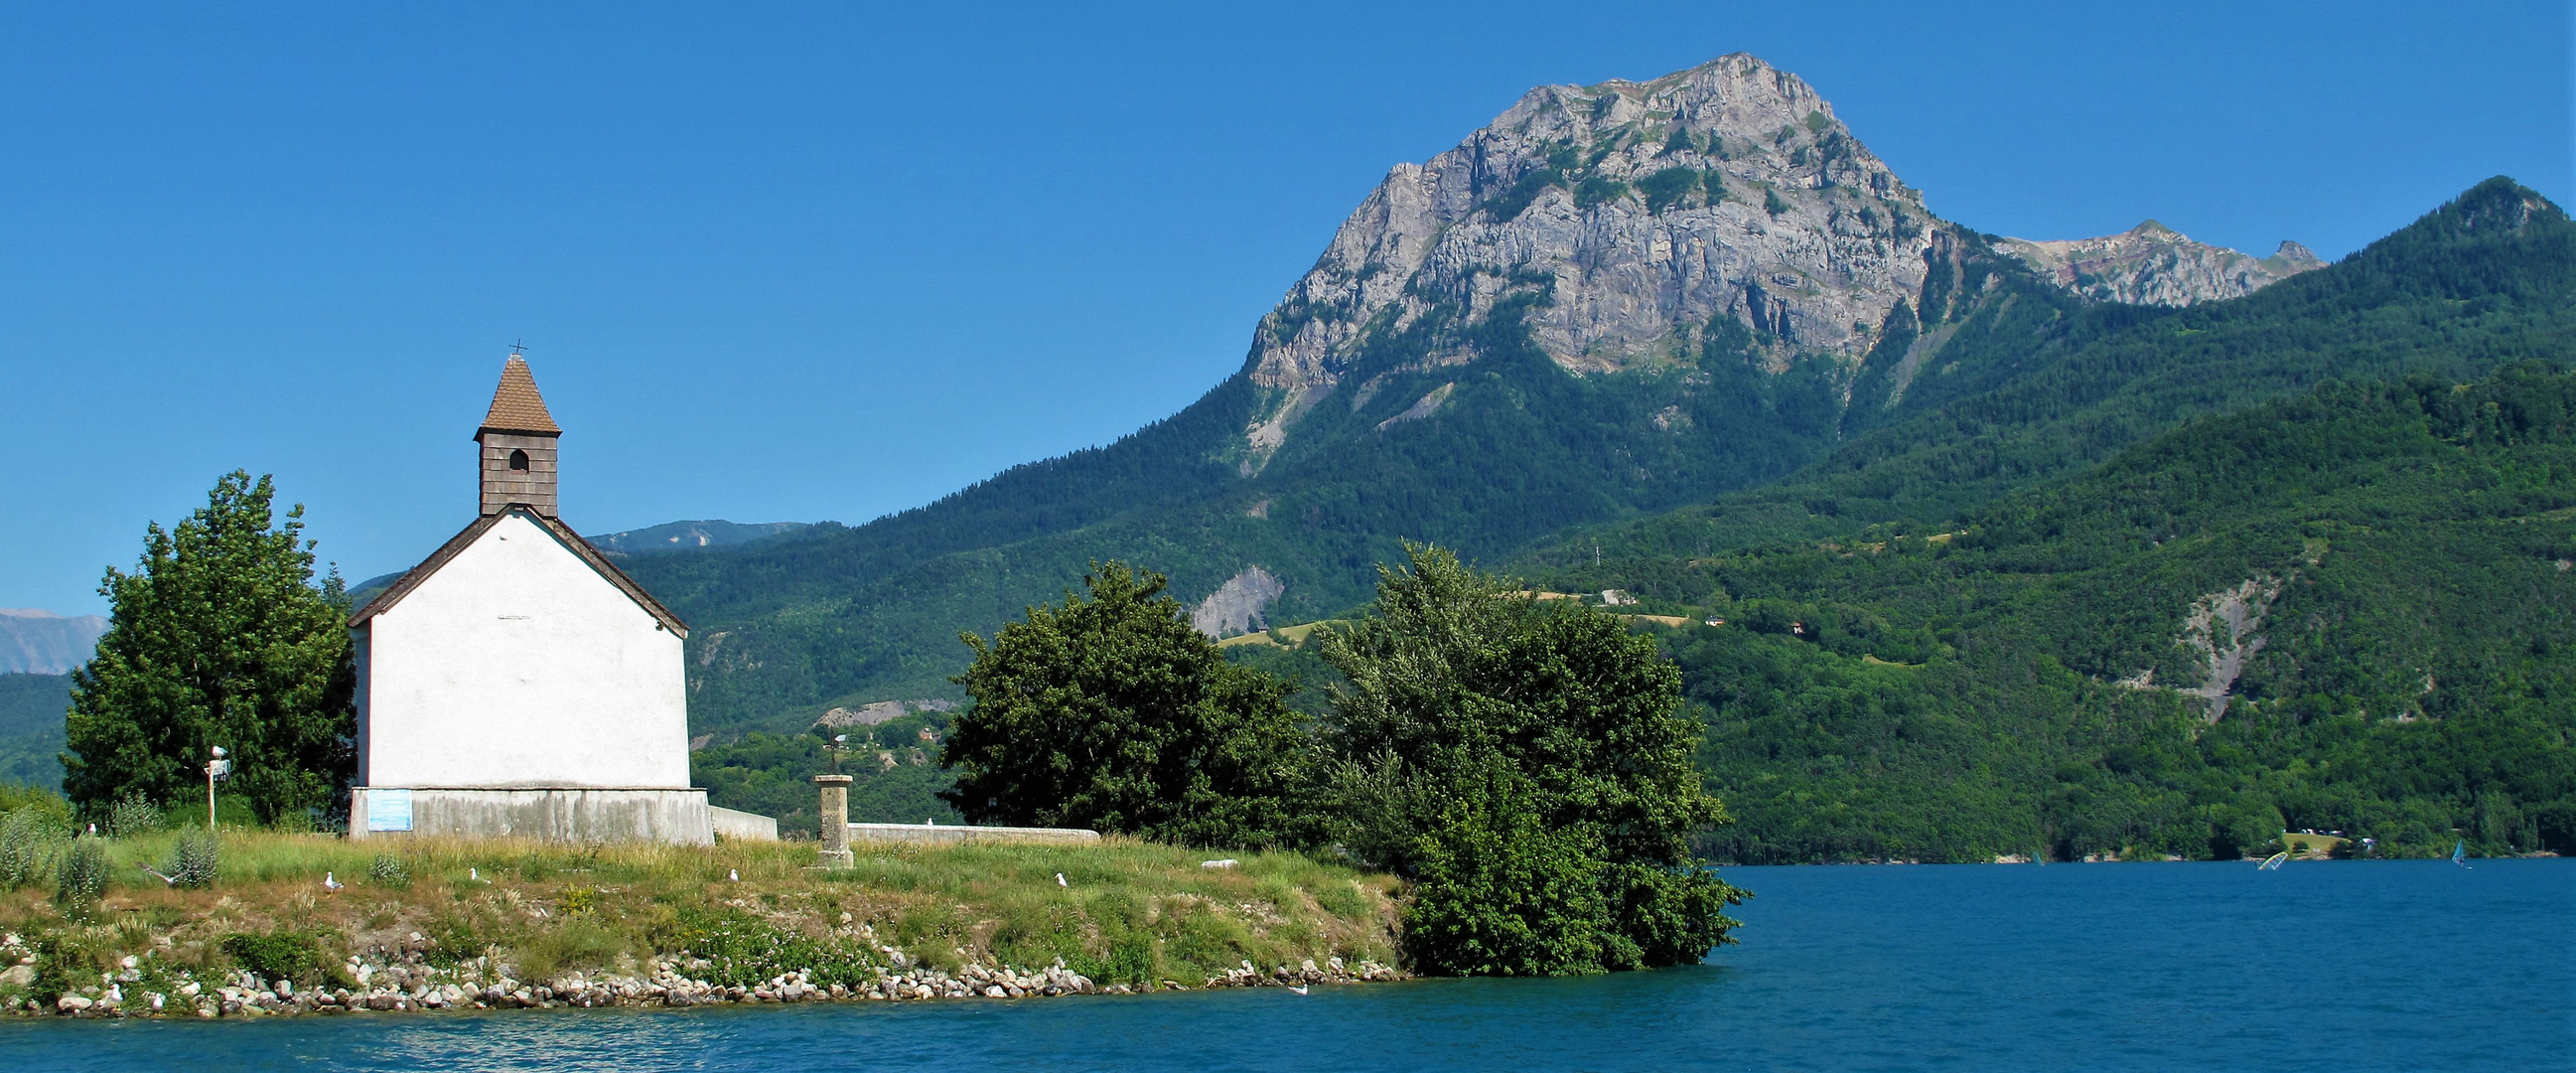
{"x": 1126, "y": 914}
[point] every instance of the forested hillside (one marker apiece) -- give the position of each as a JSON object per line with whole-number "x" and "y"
{"x": 894, "y": 767}
{"x": 31, "y": 728}
{"x": 1994, "y": 380}
{"x": 2352, "y": 610}
{"x": 2020, "y": 391}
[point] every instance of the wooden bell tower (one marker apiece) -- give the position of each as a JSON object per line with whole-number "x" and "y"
{"x": 518, "y": 444}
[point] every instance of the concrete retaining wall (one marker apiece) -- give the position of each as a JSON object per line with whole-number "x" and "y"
{"x": 678, "y": 817}
{"x": 925, "y": 833}
{"x": 740, "y": 826}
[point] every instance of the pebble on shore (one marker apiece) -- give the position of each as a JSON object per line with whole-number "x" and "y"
{"x": 405, "y": 982}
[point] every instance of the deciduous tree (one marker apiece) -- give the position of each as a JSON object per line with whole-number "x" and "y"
{"x": 1112, "y": 712}
{"x": 1528, "y": 765}
{"x": 219, "y": 637}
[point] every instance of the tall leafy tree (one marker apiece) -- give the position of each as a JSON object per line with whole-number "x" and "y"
{"x": 219, "y": 637}
{"x": 1113, "y": 713}
{"x": 1528, "y": 765}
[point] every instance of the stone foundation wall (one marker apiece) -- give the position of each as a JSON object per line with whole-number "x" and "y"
{"x": 741, "y": 826}
{"x": 678, "y": 817}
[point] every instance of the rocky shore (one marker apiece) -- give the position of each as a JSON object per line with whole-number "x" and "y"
{"x": 405, "y": 980}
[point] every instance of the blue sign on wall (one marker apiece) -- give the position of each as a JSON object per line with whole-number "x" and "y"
{"x": 388, "y": 810}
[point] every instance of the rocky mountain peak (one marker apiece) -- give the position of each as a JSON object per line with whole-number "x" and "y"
{"x": 1617, "y": 224}
{"x": 1617, "y": 220}
{"x": 2152, "y": 264}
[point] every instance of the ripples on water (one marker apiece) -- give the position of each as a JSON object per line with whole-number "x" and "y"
{"x": 2319, "y": 966}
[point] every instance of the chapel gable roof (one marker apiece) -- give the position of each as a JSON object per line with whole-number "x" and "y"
{"x": 516, "y": 406}
{"x": 457, "y": 544}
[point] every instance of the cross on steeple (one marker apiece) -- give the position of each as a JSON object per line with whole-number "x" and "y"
{"x": 518, "y": 350}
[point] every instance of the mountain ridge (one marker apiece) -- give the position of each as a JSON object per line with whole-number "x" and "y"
{"x": 2152, "y": 264}
{"x": 42, "y": 642}
{"x": 1442, "y": 413}
{"x": 1728, "y": 189}
{"x": 703, "y": 533}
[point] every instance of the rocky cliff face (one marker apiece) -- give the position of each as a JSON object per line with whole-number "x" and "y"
{"x": 1619, "y": 219}
{"x": 2152, "y": 264}
{"x": 41, "y": 642}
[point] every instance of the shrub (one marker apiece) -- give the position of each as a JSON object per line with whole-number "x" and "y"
{"x": 80, "y": 877}
{"x": 1668, "y": 187}
{"x": 1498, "y": 892}
{"x": 1599, "y": 190}
{"x": 1130, "y": 960}
{"x": 742, "y": 950}
{"x": 1342, "y": 901}
{"x": 580, "y": 943}
{"x": 69, "y": 959}
{"x": 133, "y": 815}
{"x": 276, "y": 955}
{"x": 193, "y": 861}
{"x": 1513, "y": 201}
{"x": 389, "y": 871}
{"x": 26, "y": 847}
{"x": 1114, "y": 713}
{"x": 1772, "y": 203}
{"x": 1529, "y": 765}
{"x": 51, "y": 805}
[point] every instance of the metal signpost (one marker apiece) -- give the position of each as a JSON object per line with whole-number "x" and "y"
{"x": 216, "y": 768}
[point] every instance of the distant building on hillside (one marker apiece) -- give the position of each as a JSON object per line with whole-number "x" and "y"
{"x": 516, "y": 682}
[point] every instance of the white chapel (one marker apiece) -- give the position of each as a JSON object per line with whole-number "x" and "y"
{"x": 518, "y": 683}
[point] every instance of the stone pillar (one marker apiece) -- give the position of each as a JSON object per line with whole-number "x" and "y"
{"x": 836, "y": 820}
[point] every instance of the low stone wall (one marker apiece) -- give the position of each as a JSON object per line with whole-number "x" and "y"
{"x": 678, "y": 817}
{"x": 738, "y": 826}
{"x": 928, "y": 833}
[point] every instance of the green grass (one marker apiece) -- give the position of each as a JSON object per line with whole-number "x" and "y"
{"x": 2299, "y": 843}
{"x": 1128, "y": 911}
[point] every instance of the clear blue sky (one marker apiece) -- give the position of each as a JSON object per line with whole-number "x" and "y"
{"x": 780, "y": 262}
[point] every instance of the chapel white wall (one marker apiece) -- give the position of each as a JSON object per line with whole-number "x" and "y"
{"x": 517, "y": 665}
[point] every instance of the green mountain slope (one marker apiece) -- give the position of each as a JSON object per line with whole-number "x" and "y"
{"x": 2019, "y": 390}
{"x": 2000, "y": 381}
{"x": 2350, "y": 611}
{"x": 31, "y": 727}
{"x": 1320, "y": 516}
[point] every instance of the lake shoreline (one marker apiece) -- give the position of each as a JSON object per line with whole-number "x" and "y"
{"x": 664, "y": 985}
{"x": 2020, "y": 859}
{"x": 298, "y": 924}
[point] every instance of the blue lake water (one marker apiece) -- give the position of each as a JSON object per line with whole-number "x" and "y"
{"x": 2413, "y": 965}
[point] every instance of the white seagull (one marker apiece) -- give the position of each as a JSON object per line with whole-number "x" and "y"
{"x": 734, "y": 874}
{"x": 1059, "y": 880}
{"x": 331, "y": 882}
{"x": 1298, "y": 988}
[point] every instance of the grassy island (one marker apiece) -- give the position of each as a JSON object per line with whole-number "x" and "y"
{"x": 454, "y": 923}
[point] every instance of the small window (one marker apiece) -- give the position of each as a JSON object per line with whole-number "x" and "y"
{"x": 519, "y": 461}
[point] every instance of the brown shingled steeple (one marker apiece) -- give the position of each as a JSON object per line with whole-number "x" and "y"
{"x": 516, "y": 406}
{"x": 518, "y": 440}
